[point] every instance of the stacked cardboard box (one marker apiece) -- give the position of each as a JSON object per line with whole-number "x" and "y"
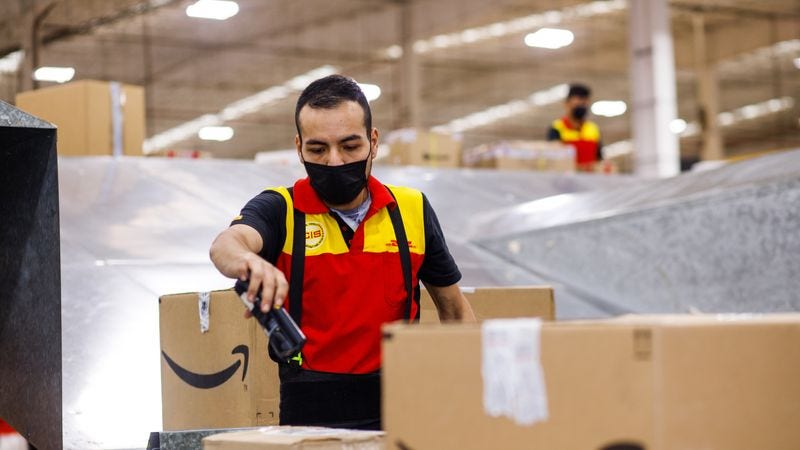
{"x": 417, "y": 147}
{"x": 496, "y": 302}
{"x": 215, "y": 372}
{"x": 91, "y": 116}
{"x": 676, "y": 382}
{"x": 523, "y": 155}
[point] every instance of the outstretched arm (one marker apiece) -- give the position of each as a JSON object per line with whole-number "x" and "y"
{"x": 450, "y": 303}
{"x": 235, "y": 254}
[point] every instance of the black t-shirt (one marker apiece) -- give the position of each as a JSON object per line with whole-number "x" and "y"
{"x": 266, "y": 213}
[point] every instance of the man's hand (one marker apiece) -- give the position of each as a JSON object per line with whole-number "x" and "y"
{"x": 271, "y": 281}
{"x": 234, "y": 253}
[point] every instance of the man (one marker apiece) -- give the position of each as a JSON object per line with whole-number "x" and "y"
{"x": 574, "y": 129}
{"x": 354, "y": 251}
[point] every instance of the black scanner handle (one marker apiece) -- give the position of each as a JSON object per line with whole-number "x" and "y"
{"x": 285, "y": 337}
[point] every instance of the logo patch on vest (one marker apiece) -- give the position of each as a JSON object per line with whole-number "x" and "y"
{"x": 315, "y": 235}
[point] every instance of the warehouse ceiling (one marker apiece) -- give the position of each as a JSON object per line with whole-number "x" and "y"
{"x": 471, "y": 57}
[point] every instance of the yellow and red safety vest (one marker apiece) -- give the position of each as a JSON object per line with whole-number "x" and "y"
{"x": 349, "y": 292}
{"x": 585, "y": 140}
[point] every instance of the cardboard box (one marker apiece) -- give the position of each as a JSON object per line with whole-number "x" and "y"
{"x": 523, "y": 155}
{"x": 654, "y": 383}
{"x": 284, "y": 438}
{"x": 417, "y": 147}
{"x": 84, "y": 113}
{"x": 497, "y": 302}
{"x": 220, "y": 378}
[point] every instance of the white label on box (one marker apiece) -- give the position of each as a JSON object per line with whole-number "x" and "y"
{"x": 204, "y": 305}
{"x": 513, "y": 380}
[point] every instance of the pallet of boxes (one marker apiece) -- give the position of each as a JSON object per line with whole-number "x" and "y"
{"x": 92, "y": 117}
{"x": 420, "y": 147}
{"x": 546, "y": 156}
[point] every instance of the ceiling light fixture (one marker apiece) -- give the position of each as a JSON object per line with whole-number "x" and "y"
{"x": 724, "y": 119}
{"x": 371, "y": 91}
{"x": 235, "y": 110}
{"x": 499, "y": 112}
{"x": 510, "y": 27}
{"x": 220, "y": 134}
{"x": 609, "y": 108}
{"x": 550, "y": 38}
{"x": 761, "y": 56}
{"x": 212, "y": 9}
{"x": 55, "y": 74}
{"x": 677, "y": 126}
{"x": 10, "y": 63}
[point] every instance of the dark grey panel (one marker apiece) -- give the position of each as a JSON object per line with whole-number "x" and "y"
{"x": 30, "y": 286}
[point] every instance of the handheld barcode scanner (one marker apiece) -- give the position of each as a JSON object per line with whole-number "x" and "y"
{"x": 285, "y": 336}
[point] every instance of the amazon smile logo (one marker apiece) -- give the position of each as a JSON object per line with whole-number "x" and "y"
{"x": 211, "y": 380}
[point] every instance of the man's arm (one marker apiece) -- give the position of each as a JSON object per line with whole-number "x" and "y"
{"x": 450, "y": 303}
{"x": 234, "y": 253}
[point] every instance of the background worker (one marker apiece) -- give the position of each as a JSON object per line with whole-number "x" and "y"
{"x": 363, "y": 248}
{"x": 575, "y": 129}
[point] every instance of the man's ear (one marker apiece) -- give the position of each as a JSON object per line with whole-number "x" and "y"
{"x": 299, "y": 146}
{"x": 373, "y": 140}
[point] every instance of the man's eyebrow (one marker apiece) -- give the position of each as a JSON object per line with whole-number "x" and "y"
{"x": 352, "y": 137}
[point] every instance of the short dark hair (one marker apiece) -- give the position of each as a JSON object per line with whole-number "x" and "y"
{"x": 330, "y": 92}
{"x": 579, "y": 90}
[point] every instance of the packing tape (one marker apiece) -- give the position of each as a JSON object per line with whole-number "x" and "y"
{"x": 513, "y": 379}
{"x": 204, "y": 308}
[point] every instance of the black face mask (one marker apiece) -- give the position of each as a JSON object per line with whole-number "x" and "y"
{"x": 579, "y": 112}
{"x": 338, "y": 185}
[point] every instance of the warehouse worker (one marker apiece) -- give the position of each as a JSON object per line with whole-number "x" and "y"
{"x": 366, "y": 247}
{"x": 576, "y": 130}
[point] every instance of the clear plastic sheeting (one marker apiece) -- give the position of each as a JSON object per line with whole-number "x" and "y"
{"x": 133, "y": 229}
{"x": 724, "y": 240}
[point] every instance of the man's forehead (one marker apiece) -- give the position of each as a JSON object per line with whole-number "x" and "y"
{"x": 337, "y": 123}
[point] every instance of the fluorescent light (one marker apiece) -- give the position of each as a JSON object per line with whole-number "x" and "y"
{"x": 215, "y": 133}
{"x": 235, "y": 110}
{"x": 499, "y": 112}
{"x": 515, "y": 26}
{"x": 57, "y": 74}
{"x": 747, "y": 112}
{"x": 762, "y": 56}
{"x": 551, "y": 38}
{"x": 10, "y": 63}
{"x": 371, "y": 91}
{"x": 677, "y": 126}
{"x": 212, "y": 9}
{"x": 609, "y": 108}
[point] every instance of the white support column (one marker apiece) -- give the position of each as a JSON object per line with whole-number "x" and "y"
{"x": 410, "y": 98}
{"x": 653, "y": 89}
{"x": 707, "y": 94}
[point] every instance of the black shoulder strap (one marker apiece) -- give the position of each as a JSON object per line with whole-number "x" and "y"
{"x": 298, "y": 263}
{"x": 405, "y": 255}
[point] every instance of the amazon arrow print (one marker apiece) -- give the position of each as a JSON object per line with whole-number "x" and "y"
{"x": 211, "y": 380}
